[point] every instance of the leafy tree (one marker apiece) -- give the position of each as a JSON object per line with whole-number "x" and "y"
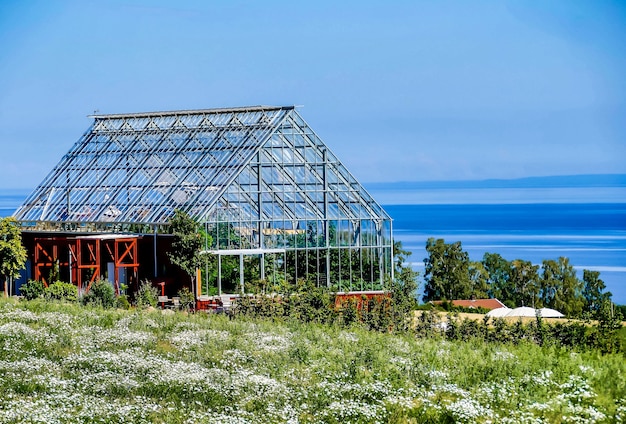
{"x": 593, "y": 292}
{"x": 524, "y": 283}
{"x": 403, "y": 287}
{"x": 479, "y": 280}
{"x": 560, "y": 287}
{"x": 609, "y": 328}
{"x": 187, "y": 244}
{"x": 447, "y": 271}
{"x": 400, "y": 255}
{"x": 550, "y": 281}
{"x": 498, "y": 277}
{"x": 12, "y": 253}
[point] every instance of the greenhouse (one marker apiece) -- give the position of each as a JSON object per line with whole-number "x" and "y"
{"x": 271, "y": 200}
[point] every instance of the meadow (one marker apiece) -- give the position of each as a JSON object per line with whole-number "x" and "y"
{"x": 62, "y": 363}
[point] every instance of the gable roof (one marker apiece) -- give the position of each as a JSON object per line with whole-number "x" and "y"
{"x": 260, "y": 162}
{"x": 475, "y": 303}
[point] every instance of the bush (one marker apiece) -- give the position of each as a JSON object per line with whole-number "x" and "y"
{"x": 101, "y": 293}
{"x": 147, "y": 295}
{"x": 61, "y": 291}
{"x": 32, "y": 289}
{"x": 122, "y": 302}
{"x": 311, "y": 304}
{"x": 186, "y": 298}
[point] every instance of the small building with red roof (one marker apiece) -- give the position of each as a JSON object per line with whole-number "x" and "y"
{"x": 474, "y": 303}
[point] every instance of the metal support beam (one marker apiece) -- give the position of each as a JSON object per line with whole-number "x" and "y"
{"x": 156, "y": 268}
{"x": 219, "y": 275}
{"x": 241, "y": 272}
{"x": 393, "y": 265}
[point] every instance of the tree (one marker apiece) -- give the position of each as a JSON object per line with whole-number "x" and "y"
{"x": 404, "y": 286}
{"x": 446, "y": 272}
{"x": 560, "y": 288}
{"x": 593, "y": 292}
{"x": 187, "y": 244}
{"x": 400, "y": 256}
{"x": 12, "y": 253}
{"x": 498, "y": 276}
{"x": 478, "y": 280}
{"x": 524, "y": 283}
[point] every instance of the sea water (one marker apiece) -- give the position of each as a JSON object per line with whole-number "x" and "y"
{"x": 591, "y": 235}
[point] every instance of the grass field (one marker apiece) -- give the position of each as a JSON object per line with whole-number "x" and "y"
{"x": 62, "y": 363}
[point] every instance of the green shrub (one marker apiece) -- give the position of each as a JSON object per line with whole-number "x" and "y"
{"x": 32, "y": 289}
{"x": 311, "y": 304}
{"x": 147, "y": 295}
{"x": 122, "y": 302}
{"x": 349, "y": 312}
{"x": 186, "y": 298}
{"x": 61, "y": 291}
{"x": 101, "y": 293}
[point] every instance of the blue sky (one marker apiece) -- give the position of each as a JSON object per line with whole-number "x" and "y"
{"x": 404, "y": 90}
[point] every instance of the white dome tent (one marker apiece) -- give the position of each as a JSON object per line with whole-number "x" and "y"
{"x": 498, "y": 312}
{"x": 522, "y": 311}
{"x": 550, "y": 313}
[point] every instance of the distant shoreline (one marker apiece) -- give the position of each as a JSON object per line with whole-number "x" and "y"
{"x": 555, "y": 181}
{"x": 500, "y": 196}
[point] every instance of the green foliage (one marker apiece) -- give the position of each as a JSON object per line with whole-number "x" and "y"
{"x": 301, "y": 302}
{"x": 403, "y": 291}
{"x": 12, "y": 253}
{"x": 400, "y": 255}
{"x": 562, "y": 290}
{"x": 100, "y": 294}
{"x": 349, "y": 312}
{"x": 498, "y": 275}
{"x": 61, "y": 291}
{"x": 33, "y": 289}
{"x": 524, "y": 283}
{"x": 609, "y": 328}
{"x": 186, "y": 298}
{"x": 378, "y": 314}
{"x": 311, "y": 304}
{"x": 478, "y": 276}
{"x": 122, "y": 302}
{"x": 605, "y": 336}
{"x": 262, "y": 306}
{"x": 147, "y": 295}
{"x": 447, "y": 271}
{"x": 187, "y": 243}
{"x": 54, "y": 273}
{"x": 593, "y": 292}
{"x": 304, "y": 301}
{"x": 183, "y": 366}
{"x": 450, "y": 275}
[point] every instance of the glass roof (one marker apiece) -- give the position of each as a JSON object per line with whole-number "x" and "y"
{"x": 255, "y": 163}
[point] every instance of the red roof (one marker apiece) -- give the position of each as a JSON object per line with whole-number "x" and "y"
{"x": 476, "y": 303}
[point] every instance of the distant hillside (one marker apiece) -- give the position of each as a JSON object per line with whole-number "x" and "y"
{"x": 561, "y": 181}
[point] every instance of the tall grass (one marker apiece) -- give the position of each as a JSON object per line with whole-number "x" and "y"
{"x": 64, "y": 363}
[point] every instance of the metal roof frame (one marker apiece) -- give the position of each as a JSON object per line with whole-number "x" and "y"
{"x": 137, "y": 168}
